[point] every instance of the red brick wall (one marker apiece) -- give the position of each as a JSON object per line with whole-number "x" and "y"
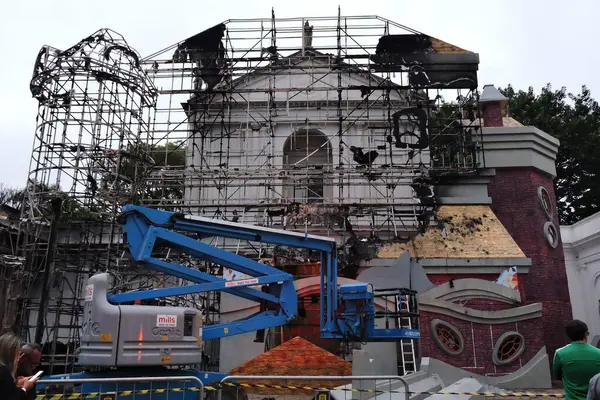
{"x": 492, "y": 115}
{"x": 479, "y": 343}
{"x": 309, "y": 328}
{"x": 515, "y": 202}
{"x": 438, "y": 279}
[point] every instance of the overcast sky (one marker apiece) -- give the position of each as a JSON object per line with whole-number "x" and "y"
{"x": 522, "y": 42}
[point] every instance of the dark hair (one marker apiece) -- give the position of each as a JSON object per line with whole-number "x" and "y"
{"x": 30, "y": 348}
{"x": 576, "y": 330}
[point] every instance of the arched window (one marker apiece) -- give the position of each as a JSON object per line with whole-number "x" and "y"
{"x": 307, "y": 157}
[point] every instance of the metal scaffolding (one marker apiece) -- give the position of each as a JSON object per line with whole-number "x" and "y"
{"x": 340, "y": 126}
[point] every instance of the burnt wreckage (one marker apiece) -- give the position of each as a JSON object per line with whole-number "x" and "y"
{"x": 341, "y": 126}
{"x": 446, "y": 130}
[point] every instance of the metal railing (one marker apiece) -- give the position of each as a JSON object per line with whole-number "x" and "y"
{"x": 279, "y": 387}
{"x": 126, "y": 388}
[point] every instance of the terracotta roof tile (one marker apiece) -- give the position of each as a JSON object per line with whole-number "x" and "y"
{"x": 294, "y": 357}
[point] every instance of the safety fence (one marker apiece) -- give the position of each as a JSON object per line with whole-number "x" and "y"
{"x": 247, "y": 388}
{"x": 290, "y": 387}
{"x": 127, "y": 388}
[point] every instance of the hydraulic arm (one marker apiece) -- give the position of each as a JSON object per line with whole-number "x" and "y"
{"x": 347, "y": 312}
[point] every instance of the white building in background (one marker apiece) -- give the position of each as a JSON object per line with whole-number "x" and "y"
{"x": 581, "y": 243}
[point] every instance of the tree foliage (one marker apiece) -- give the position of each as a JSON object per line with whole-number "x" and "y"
{"x": 575, "y": 121}
{"x": 168, "y": 185}
{"x": 10, "y": 196}
{"x": 148, "y": 175}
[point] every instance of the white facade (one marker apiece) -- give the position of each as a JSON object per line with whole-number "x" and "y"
{"x": 581, "y": 243}
{"x": 285, "y": 147}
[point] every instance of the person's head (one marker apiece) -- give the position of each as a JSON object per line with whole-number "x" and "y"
{"x": 10, "y": 347}
{"x": 577, "y": 331}
{"x": 31, "y": 355}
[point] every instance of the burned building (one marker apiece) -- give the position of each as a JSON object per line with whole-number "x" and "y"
{"x": 352, "y": 127}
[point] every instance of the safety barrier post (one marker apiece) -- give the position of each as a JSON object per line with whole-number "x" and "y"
{"x": 117, "y": 381}
{"x": 310, "y": 378}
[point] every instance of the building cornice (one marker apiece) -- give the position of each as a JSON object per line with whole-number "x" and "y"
{"x": 472, "y": 288}
{"x": 523, "y": 313}
{"x": 479, "y": 266}
{"x": 581, "y": 233}
{"x": 514, "y": 147}
{"x": 595, "y": 237}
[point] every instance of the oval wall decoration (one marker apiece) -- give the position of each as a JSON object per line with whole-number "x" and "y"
{"x": 448, "y": 337}
{"x": 551, "y": 234}
{"x": 508, "y": 348}
{"x": 545, "y": 201}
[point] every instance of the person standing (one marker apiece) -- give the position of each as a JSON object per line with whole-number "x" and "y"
{"x": 576, "y": 363}
{"x": 30, "y": 357}
{"x": 11, "y": 387}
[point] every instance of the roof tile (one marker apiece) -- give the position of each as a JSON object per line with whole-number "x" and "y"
{"x": 295, "y": 357}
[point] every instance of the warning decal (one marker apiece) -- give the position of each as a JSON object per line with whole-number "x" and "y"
{"x": 241, "y": 282}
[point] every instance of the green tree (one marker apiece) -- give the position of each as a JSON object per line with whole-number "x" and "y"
{"x": 10, "y": 196}
{"x": 148, "y": 175}
{"x": 575, "y": 121}
{"x": 156, "y": 173}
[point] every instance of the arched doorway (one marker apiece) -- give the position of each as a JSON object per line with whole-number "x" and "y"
{"x": 307, "y": 157}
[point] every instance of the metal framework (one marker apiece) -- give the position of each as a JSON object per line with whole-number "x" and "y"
{"x": 338, "y": 126}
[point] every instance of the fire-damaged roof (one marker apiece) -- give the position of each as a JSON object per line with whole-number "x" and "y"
{"x": 462, "y": 232}
{"x": 444, "y": 47}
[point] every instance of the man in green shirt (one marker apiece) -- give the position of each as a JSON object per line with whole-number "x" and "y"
{"x": 576, "y": 363}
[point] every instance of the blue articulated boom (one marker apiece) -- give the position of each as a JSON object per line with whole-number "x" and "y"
{"x": 144, "y": 227}
{"x": 114, "y": 343}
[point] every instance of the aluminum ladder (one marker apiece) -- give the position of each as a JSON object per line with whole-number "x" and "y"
{"x": 406, "y": 349}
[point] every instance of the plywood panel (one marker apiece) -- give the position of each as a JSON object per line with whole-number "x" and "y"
{"x": 462, "y": 232}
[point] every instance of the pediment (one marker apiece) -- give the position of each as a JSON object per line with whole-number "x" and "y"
{"x": 314, "y": 77}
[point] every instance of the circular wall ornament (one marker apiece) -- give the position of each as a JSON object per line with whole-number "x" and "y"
{"x": 551, "y": 234}
{"x": 448, "y": 337}
{"x": 508, "y": 348}
{"x": 545, "y": 202}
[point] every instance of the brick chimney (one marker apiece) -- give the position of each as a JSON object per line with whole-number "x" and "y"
{"x": 493, "y": 106}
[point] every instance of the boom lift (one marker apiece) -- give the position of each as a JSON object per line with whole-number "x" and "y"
{"x": 126, "y": 339}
